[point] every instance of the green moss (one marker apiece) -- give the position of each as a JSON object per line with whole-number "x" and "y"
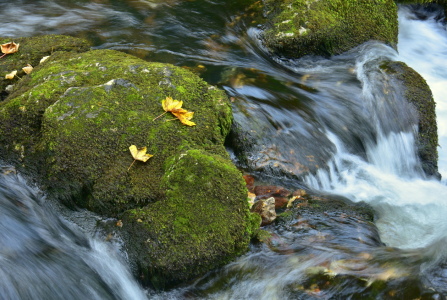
{"x": 32, "y": 50}
{"x": 92, "y": 107}
{"x": 327, "y": 27}
{"x": 72, "y": 120}
{"x": 204, "y": 212}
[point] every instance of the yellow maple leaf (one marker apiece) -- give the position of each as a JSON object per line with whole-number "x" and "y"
{"x": 138, "y": 154}
{"x": 185, "y": 117}
{"x": 175, "y": 107}
{"x": 171, "y": 105}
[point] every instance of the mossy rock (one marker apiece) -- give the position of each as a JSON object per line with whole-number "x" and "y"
{"x": 203, "y": 215}
{"x": 417, "y": 92}
{"x": 443, "y": 2}
{"x": 82, "y": 112}
{"x": 31, "y": 51}
{"x": 69, "y": 125}
{"x": 327, "y": 27}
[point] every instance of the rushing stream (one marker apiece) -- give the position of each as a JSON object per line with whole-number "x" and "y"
{"x": 335, "y": 111}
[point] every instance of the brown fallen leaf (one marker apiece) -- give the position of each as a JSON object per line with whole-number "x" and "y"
{"x": 138, "y": 154}
{"x": 9, "y": 48}
{"x": 28, "y": 69}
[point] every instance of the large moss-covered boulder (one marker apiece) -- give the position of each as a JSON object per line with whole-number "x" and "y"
{"x": 326, "y": 27}
{"x": 417, "y": 92}
{"x": 70, "y": 123}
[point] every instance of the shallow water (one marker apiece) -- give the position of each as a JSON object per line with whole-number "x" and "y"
{"x": 332, "y": 117}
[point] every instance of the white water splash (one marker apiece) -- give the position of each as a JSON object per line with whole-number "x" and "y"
{"x": 423, "y": 46}
{"x": 411, "y": 209}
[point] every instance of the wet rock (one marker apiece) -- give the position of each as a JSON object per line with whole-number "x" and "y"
{"x": 249, "y": 181}
{"x": 280, "y": 194}
{"x": 266, "y": 209}
{"x": 418, "y": 94}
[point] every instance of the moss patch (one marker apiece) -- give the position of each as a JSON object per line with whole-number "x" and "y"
{"x": 327, "y": 27}
{"x": 32, "y": 50}
{"x": 205, "y": 213}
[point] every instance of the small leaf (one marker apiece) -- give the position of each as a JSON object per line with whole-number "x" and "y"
{"x": 185, "y": 117}
{"x": 10, "y": 48}
{"x": 138, "y": 154}
{"x": 11, "y": 75}
{"x": 171, "y": 105}
{"x": 175, "y": 107}
{"x": 43, "y": 59}
{"x": 28, "y": 69}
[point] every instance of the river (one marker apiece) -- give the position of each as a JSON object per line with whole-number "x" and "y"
{"x": 333, "y": 106}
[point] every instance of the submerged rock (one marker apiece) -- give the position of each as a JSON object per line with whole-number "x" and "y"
{"x": 297, "y": 27}
{"x": 69, "y": 125}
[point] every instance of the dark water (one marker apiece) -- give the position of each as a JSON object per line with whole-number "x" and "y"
{"x": 334, "y": 118}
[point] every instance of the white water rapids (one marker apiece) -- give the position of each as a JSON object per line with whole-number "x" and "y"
{"x": 411, "y": 208}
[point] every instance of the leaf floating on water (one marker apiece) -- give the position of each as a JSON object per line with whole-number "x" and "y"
{"x": 138, "y": 154}
{"x": 28, "y": 69}
{"x": 9, "y": 48}
{"x": 11, "y": 75}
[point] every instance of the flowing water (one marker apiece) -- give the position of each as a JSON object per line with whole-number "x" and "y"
{"x": 356, "y": 133}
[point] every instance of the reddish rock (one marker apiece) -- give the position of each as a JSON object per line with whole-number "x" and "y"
{"x": 279, "y": 193}
{"x": 249, "y": 181}
{"x": 281, "y": 202}
{"x": 299, "y": 193}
